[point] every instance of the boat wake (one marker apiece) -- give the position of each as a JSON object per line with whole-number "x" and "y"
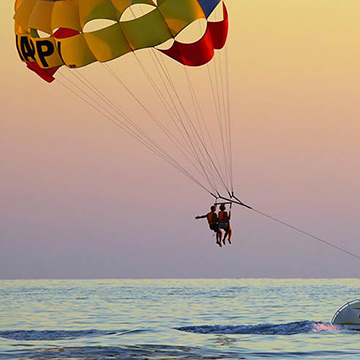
{"x": 293, "y": 328}
{"x": 39, "y": 343}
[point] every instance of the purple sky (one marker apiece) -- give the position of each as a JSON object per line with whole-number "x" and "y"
{"x": 80, "y": 199}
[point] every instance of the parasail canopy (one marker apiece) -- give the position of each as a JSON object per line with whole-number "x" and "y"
{"x": 55, "y": 33}
{"x": 51, "y": 34}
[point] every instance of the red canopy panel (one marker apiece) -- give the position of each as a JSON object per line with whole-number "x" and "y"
{"x": 202, "y": 51}
{"x": 46, "y": 74}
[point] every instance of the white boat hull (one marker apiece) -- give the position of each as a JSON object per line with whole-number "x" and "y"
{"x": 348, "y": 315}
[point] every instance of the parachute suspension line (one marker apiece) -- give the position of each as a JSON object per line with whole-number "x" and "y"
{"x": 169, "y": 85}
{"x": 145, "y": 141}
{"x": 159, "y": 93}
{"x": 189, "y": 139}
{"x": 226, "y": 115}
{"x": 227, "y": 78}
{"x": 219, "y": 120}
{"x": 200, "y": 143}
{"x": 167, "y": 82}
{"x": 108, "y": 114}
{"x": 202, "y": 123}
{"x": 188, "y": 129}
{"x": 159, "y": 62}
{"x": 170, "y": 108}
{"x": 193, "y": 141}
{"x": 221, "y": 94}
{"x": 215, "y": 89}
{"x": 234, "y": 200}
{"x": 306, "y": 233}
{"x": 104, "y": 112}
{"x": 165, "y": 103}
{"x": 223, "y": 111}
{"x": 226, "y": 103}
{"x": 213, "y": 165}
{"x": 183, "y": 149}
{"x": 206, "y": 140}
{"x": 102, "y": 97}
{"x": 135, "y": 135}
{"x": 185, "y": 135}
{"x": 295, "y": 228}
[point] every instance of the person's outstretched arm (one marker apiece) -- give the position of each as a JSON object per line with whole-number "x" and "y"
{"x": 200, "y": 217}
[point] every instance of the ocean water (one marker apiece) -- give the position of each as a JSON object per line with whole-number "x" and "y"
{"x": 175, "y": 319}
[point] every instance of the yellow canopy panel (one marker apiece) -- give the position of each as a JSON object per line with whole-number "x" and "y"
{"x": 64, "y": 21}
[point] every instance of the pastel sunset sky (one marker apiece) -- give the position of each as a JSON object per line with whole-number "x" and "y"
{"x": 81, "y": 199}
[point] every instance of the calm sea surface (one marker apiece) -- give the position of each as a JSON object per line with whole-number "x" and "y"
{"x": 175, "y": 319}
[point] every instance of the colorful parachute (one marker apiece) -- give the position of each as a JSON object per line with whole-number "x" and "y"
{"x": 66, "y": 43}
{"x": 51, "y": 34}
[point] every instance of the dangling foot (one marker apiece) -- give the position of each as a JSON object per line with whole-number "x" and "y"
{"x": 224, "y": 241}
{"x": 219, "y": 243}
{"x": 229, "y": 242}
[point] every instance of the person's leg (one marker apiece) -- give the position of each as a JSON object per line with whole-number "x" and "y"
{"x": 218, "y": 237}
{"x": 229, "y": 234}
{"x": 226, "y": 235}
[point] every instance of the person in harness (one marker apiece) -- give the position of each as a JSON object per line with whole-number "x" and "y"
{"x": 224, "y": 222}
{"x": 213, "y": 222}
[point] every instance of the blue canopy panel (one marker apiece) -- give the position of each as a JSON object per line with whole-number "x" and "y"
{"x": 208, "y": 6}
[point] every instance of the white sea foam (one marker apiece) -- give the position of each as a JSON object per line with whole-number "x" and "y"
{"x": 293, "y": 328}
